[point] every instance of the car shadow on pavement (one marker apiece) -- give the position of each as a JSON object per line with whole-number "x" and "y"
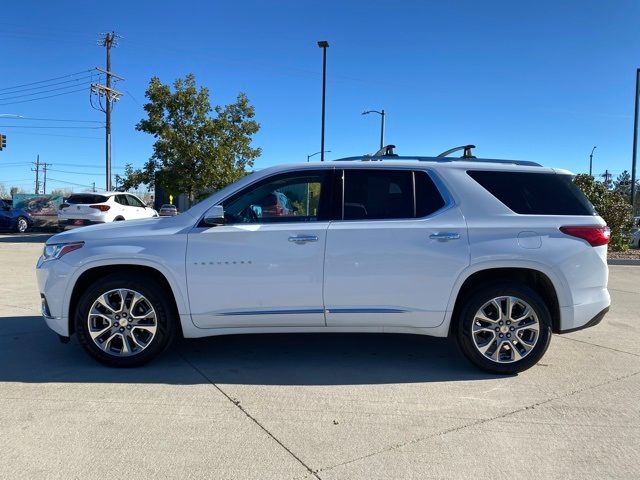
{"x": 31, "y": 353}
{"x": 24, "y": 237}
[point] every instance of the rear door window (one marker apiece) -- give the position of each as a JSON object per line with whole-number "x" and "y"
{"x": 378, "y": 194}
{"x": 531, "y": 193}
{"x": 389, "y": 194}
{"x": 133, "y": 201}
{"x": 122, "y": 200}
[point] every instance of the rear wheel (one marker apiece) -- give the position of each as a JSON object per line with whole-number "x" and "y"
{"x": 124, "y": 320}
{"x": 22, "y": 225}
{"x": 504, "y": 328}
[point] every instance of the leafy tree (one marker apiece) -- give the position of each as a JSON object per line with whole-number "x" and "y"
{"x": 194, "y": 152}
{"x": 612, "y": 207}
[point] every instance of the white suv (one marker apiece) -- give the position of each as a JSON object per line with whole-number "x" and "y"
{"x": 498, "y": 254}
{"x": 92, "y": 208}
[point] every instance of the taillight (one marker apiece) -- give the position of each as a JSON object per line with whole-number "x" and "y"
{"x": 63, "y": 205}
{"x": 102, "y": 208}
{"x": 596, "y": 235}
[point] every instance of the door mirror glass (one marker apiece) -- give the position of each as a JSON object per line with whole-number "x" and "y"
{"x": 214, "y": 216}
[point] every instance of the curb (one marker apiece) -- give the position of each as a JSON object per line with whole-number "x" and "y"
{"x": 623, "y": 261}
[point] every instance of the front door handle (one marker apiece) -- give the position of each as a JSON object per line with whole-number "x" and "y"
{"x": 445, "y": 236}
{"x": 303, "y": 238}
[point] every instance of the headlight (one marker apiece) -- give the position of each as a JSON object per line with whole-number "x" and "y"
{"x": 53, "y": 252}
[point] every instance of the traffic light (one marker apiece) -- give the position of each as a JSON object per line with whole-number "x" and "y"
{"x": 3, "y": 141}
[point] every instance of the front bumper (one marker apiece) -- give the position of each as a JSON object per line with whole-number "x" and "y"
{"x": 52, "y": 279}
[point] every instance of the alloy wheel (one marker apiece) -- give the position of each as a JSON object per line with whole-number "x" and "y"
{"x": 122, "y": 322}
{"x": 22, "y": 225}
{"x": 505, "y": 329}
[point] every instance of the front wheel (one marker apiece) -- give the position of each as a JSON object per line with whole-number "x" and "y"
{"x": 504, "y": 328}
{"x": 22, "y": 225}
{"x": 125, "y": 320}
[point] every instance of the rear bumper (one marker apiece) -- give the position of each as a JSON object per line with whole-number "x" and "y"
{"x": 591, "y": 323}
{"x": 71, "y": 223}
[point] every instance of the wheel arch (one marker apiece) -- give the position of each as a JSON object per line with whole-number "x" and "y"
{"x": 537, "y": 279}
{"x": 91, "y": 274}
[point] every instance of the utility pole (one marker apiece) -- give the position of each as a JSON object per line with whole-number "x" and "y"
{"x": 44, "y": 185}
{"x": 110, "y": 95}
{"x": 635, "y": 144}
{"x": 93, "y": 186}
{"x": 323, "y": 44}
{"x": 591, "y": 160}
{"x": 37, "y": 170}
{"x": 607, "y": 177}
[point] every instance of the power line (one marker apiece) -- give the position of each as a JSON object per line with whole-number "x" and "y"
{"x": 52, "y": 126}
{"x": 54, "y": 135}
{"x": 72, "y": 183}
{"x": 22, "y": 95}
{"x": 86, "y": 166}
{"x": 48, "y": 126}
{"x": 49, "y": 85}
{"x": 45, "y": 81}
{"x": 42, "y": 98}
{"x": 53, "y": 119}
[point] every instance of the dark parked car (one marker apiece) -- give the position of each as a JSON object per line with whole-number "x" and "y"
{"x": 14, "y": 218}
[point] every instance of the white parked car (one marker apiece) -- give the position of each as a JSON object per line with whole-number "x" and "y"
{"x": 497, "y": 254}
{"x": 91, "y": 208}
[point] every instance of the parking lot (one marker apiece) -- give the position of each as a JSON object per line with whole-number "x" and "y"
{"x": 314, "y": 406}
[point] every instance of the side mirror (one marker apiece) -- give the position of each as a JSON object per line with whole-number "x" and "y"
{"x": 214, "y": 216}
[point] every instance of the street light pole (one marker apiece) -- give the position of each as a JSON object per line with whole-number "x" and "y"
{"x": 314, "y": 154}
{"x": 591, "y": 161}
{"x": 635, "y": 144}
{"x": 323, "y": 44}
{"x": 381, "y": 113}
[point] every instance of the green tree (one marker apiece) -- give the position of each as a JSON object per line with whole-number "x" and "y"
{"x": 612, "y": 207}
{"x": 195, "y": 151}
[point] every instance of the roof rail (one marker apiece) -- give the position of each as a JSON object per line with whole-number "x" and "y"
{"x": 368, "y": 158}
{"x": 467, "y": 151}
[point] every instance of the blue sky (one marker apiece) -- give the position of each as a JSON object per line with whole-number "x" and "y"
{"x": 542, "y": 81}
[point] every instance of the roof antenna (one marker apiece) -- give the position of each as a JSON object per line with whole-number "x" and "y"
{"x": 466, "y": 154}
{"x": 386, "y": 152}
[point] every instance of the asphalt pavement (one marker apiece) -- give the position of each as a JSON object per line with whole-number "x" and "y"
{"x": 328, "y": 406}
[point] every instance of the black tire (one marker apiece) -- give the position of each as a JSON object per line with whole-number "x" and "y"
{"x": 22, "y": 225}
{"x": 166, "y": 318}
{"x": 464, "y": 323}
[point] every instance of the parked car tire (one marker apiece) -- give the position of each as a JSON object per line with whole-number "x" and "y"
{"x": 22, "y": 225}
{"x": 125, "y": 320}
{"x": 504, "y": 328}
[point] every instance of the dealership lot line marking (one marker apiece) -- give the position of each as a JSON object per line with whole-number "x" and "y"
{"x": 480, "y": 422}
{"x": 252, "y": 418}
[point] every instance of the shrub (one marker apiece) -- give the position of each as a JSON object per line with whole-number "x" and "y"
{"x": 612, "y": 207}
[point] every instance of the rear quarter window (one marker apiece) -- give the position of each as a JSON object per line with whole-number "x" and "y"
{"x": 530, "y": 193}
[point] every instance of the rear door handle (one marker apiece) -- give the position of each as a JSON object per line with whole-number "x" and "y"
{"x": 303, "y": 238}
{"x": 445, "y": 236}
